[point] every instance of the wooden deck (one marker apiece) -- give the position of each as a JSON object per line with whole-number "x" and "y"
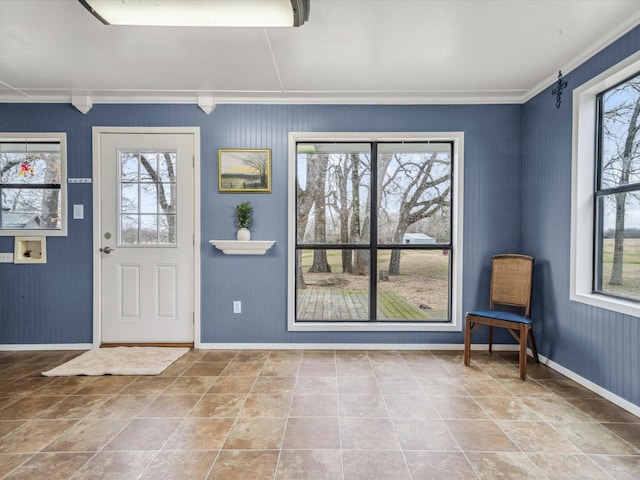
{"x": 341, "y": 305}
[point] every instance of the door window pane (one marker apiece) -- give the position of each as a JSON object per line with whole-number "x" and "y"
{"x": 129, "y": 167}
{"x": 167, "y": 229}
{"x": 148, "y": 229}
{"x": 167, "y": 167}
{"x": 148, "y": 198}
{"x": 129, "y": 198}
{"x": 148, "y": 167}
{"x": 167, "y": 195}
{"x": 128, "y": 229}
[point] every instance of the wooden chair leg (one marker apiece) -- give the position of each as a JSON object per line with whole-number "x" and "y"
{"x": 523, "y": 351}
{"x": 467, "y": 342}
{"x": 534, "y": 350}
{"x": 490, "y": 338}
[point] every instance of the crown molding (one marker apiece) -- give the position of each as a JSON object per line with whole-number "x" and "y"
{"x": 208, "y": 103}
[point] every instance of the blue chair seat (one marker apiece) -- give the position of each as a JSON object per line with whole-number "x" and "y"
{"x": 507, "y": 316}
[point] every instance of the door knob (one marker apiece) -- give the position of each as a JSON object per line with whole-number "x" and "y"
{"x": 107, "y": 249}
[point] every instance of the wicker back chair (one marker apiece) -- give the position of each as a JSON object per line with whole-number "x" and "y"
{"x": 511, "y": 281}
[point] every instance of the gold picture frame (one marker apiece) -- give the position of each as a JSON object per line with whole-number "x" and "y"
{"x": 244, "y": 170}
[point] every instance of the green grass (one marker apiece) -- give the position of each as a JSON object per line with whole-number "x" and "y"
{"x": 630, "y": 270}
{"x": 431, "y": 263}
{"x": 238, "y": 182}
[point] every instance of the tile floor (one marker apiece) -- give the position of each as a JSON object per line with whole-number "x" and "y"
{"x": 251, "y": 415}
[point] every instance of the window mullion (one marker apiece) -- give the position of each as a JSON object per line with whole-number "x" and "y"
{"x": 625, "y": 188}
{"x": 373, "y": 236}
{"x": 32, "y": 186}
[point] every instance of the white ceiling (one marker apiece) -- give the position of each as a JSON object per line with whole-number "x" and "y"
{"x": 349, "y": 51}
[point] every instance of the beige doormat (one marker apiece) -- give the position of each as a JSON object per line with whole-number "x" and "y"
{"x": 119, "y": 361}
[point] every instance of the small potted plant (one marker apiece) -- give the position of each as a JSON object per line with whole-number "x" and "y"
{"x": 244, "y": 216}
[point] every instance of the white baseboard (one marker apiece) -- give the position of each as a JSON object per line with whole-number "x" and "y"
{"x": 349, "y": 346}
{"x": 40, "y": 346}
{"x": 612, "y": 397}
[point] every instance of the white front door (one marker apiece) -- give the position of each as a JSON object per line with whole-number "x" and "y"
{"x": 146, "y": 237}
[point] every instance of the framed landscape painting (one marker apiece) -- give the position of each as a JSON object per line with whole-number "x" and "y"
{"x": 244, "y": 171}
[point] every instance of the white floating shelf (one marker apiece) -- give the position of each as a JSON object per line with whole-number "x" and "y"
{"x": 238, "y": 247}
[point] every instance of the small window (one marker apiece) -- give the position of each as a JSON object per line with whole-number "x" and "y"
{"x": 617, "y": 195}
{"x": 32, "y": 184}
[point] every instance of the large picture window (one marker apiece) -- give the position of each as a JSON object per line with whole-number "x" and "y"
{"x": 617, "y": 195}
{"x": 32, "y": 184}
{"x": 374, "y": 231}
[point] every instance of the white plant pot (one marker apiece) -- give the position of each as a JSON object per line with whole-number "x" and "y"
{"x": 244, "y": 234}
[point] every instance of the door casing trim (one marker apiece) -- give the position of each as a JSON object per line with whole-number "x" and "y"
{"x": 97, "y": 205}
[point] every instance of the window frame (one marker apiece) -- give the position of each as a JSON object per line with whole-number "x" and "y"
{"x": 61, "y": 138}
{"x": 455, "y": 324}
{"x": 138, "y": 213}
{"x": 584, "y": 186}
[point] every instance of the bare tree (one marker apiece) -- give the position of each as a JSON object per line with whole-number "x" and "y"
{"x": 360, "y": 223}
{"x": 422, "y": 188}
{"x": 258, "y": 162}
{"x": 51, "y": 197}
{"x": 338, "y": 189}
{"x": 320, "y": 262}
{"x": 167, "y": 200}
{"x": 305, "y": 199}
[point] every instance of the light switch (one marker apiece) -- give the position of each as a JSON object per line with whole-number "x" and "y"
{"x": 78, "y": 212}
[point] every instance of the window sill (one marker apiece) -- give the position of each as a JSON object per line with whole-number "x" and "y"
{"x": 608, "y": 303}
{"x": 373, "y": 327}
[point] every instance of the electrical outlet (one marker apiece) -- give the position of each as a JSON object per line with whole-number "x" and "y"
{"x": 6, "y": 257}
{"x": 237, "y": 306}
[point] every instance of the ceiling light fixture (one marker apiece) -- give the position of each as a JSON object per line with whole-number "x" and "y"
{"x": 200, "y": 13}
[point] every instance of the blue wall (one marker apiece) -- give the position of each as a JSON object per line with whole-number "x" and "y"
{"x": 597, "y": 344}
{"x": 52, "y": 303}
{"x": 517, "y": 198}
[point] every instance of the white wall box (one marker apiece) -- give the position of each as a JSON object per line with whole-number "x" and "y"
{"x": 30, "y": 250}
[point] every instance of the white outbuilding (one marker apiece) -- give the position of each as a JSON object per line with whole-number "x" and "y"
{"x": 417, "y": 239}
